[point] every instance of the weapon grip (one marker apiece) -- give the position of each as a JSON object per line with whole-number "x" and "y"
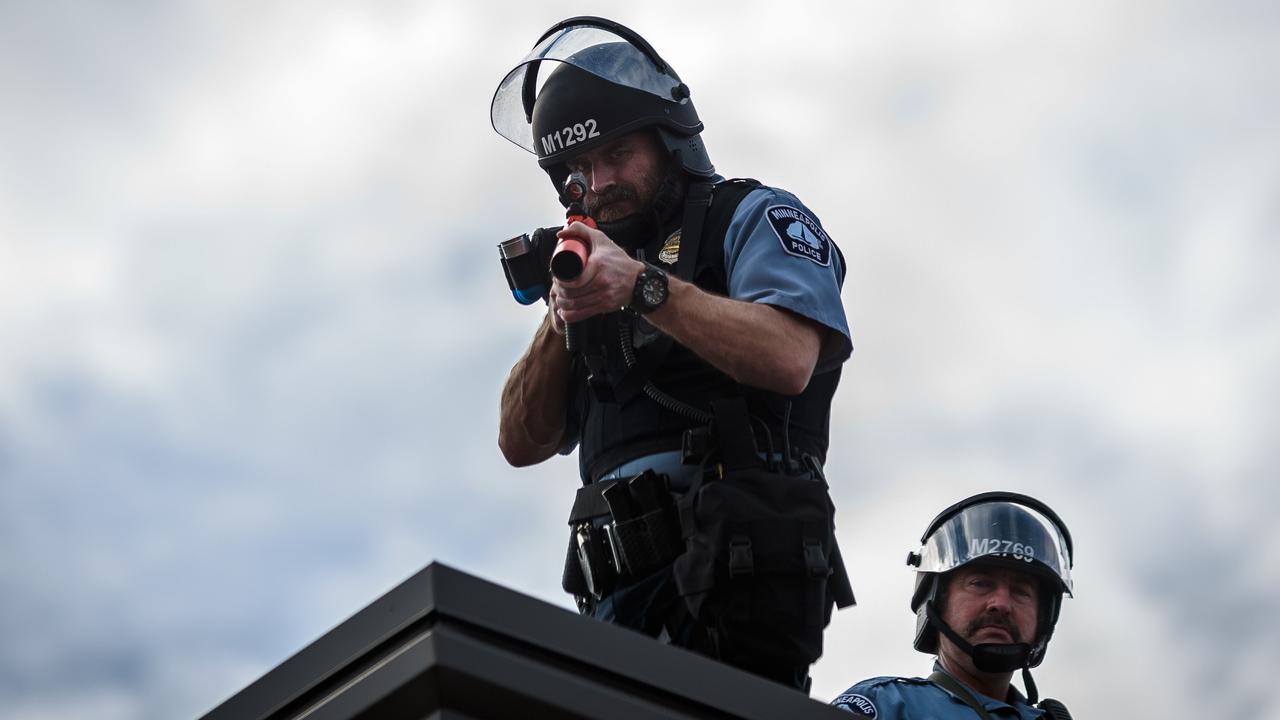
{"x": 567, "y": 263}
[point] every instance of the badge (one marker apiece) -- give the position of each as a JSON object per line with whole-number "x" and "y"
{"x": 799, "y": 234}
{"x": 858, "y": 704}
{"x": 670, "y": 251}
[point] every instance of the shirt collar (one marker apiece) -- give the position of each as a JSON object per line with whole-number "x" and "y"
{"x": 1019, "y": 700}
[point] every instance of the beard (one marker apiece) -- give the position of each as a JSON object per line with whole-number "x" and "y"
{"x": 633, "y": 231}
{"x": 627, "y": 212}
{"x": 611, "y": 206}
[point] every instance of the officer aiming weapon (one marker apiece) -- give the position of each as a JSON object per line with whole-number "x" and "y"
{"x": 690, "y": 524}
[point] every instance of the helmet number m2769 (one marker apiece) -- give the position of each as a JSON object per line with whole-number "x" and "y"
{"x": 571, "y": 135}
{"x": 979, "y": 547}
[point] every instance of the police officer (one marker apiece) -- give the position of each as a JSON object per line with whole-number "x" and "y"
{"x": 989, "y": 584}
{"x": 712, "y": 336}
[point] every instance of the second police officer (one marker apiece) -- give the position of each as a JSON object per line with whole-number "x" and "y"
{"x": 711, "y": 340}
{"x": 990, "y": 576}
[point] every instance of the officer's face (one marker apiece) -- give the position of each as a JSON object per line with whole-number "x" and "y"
{"x": 991, "y": 604}
{"x": 624, "y": 175}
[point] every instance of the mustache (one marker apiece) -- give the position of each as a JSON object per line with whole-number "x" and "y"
{"x": 1000, "y": 621}
{"x": 617, "y": 193}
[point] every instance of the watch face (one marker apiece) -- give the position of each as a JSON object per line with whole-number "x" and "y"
{"x": 650, "y": 291}
{"x": 654, "y": 291}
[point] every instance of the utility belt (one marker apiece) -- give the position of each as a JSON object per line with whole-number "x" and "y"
{"x": 625, "y": 524}
{"x": 620, "y": 528}
{"x": 749, "y": 537}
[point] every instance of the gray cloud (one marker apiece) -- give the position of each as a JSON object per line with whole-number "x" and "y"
{"x": 253, "y": 333}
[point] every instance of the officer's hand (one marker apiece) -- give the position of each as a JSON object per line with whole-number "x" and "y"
{"x": 606, "y": 282}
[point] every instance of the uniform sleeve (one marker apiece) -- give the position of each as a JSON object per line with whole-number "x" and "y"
{"x": 776, "y": 252}
{"x": 875, "y": 698}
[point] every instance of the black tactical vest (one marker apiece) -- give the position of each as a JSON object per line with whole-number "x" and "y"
{"x": 633, "y": 425}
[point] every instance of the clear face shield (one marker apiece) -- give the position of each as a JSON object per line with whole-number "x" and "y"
{"x": 618, "y": 61}
{"x": 1006, "y": 531}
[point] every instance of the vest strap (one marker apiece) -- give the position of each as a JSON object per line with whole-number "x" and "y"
{"x": 961, "y": 693}
{"x": 697, "y": 203}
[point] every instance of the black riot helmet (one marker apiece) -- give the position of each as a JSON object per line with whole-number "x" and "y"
{"x": 996, "y": 527}
{"x": 606, "y": 83}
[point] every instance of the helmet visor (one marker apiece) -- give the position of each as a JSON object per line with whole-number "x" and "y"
{"x": 623, "y": 64}
{"x": 1004, "y": 531}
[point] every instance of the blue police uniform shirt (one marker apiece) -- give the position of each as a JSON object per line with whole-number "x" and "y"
{"x": 896, "y": 698}
{"x": 776, "y": 252}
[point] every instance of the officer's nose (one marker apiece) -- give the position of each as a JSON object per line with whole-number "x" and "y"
{"x": 1000, "y": 599}
{"x": 602, "y": 179}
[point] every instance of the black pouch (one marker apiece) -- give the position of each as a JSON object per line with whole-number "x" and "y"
{"x": 761, "y": 569}
{"x": 641, "y": 535}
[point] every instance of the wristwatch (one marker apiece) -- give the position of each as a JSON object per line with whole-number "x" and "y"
{"x": 650, "y": 291}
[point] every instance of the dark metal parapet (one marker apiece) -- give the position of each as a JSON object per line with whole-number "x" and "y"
{"x": 444, "y": 644}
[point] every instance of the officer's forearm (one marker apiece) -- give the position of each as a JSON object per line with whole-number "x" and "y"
{"x": 753, "y": 343}
{"x": 531, "y": 425}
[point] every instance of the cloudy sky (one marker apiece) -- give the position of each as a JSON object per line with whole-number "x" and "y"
{"x": 253, "y": 330}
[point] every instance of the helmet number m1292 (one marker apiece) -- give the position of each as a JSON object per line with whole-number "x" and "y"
{"x": 571, "y": 135}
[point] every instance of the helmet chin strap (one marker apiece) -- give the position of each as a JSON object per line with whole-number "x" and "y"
{"x": 632, "y": 231}
{"x": 1033, "y": 695}
{"x": 989, "y": 657}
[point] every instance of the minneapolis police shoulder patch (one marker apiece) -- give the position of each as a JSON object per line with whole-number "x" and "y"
{"x": 799, "y": 234}
{"x": 857, "y": 704}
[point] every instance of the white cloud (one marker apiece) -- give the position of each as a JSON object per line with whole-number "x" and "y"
{"x": 252, "y": 330}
